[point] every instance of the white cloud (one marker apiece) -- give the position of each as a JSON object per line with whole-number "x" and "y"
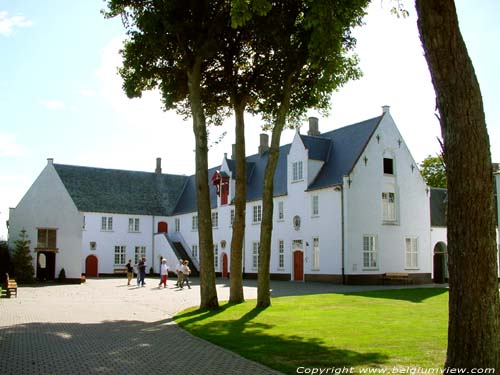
{"x": 7, "y": 24}
{"x": 9, "y": 146}
{"x": 53, "y": 104}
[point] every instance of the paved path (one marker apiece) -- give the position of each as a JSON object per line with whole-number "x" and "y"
{"x": 105, "y": 327}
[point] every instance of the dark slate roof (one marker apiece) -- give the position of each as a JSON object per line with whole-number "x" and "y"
{"x": 318, "y": 147}
{"x": 255, "y": 183}
{"x": 129, "y": 192}
{"x": 340, "y": 149}
{"x": 187, "y": 201}
{"x": 438, "y": 204}
{"x": 120, "y": 191}
{"x": 347, "y": 144}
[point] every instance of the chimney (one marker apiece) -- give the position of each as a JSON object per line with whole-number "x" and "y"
{"x": 264, "y": 144}
{"x": 385, "y": 109}
{"x": 50, "y": 161}
{"x": 313, "y": 126}
{"x": 158, "y": 166}
{"x": 233, "y": 151}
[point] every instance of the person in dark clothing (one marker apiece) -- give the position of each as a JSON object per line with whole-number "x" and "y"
{"x": 142, "y": 271}
{"x": 130, "y": 271}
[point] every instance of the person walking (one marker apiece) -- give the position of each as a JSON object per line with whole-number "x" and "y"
{"x": 142, "y": 271}
{"x": 186, "y": 271}
{"x": 130, "y": 271}
{"x": 163, "y": 273}
{"x": 178, "y": 270}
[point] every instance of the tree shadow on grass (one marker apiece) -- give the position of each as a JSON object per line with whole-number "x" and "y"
{"x": 417, "y": 295}
{"x": 284, "y": 353}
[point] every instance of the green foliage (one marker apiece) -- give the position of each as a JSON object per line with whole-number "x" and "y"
{"x": 379, "y": 329}
{"x": 22, "y": 261}
{"x": 243, "y": 11}
{"x": 4, "y": 259}
{"x": 433, "y": 171}
{"x": 62, "y": 275}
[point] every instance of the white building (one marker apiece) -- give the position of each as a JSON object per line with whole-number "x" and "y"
{"x": 350, "y": 206}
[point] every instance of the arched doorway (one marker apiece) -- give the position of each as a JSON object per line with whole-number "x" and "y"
{"x": 91, "y": 266}
{"x": 298, "y": 265}
{"x": 225, "y": 272}
{"x": 440, "y": 261}
{"x": 46, "y": 265}
{"x": 162, "y": 227}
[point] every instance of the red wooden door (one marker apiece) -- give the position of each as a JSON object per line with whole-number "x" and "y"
{"x": 91, "y": 266}
{"x": 162, "y": 227}
{"x": 298, "y": 266}
{"x": 224, "y": 265}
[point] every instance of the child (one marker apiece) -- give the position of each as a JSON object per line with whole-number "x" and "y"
{"x": 163, "y": 273}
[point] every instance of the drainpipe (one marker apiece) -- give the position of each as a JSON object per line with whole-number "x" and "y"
{"x": 343, "y": 229}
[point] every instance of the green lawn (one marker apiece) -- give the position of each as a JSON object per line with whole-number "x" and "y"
{"x": 406, "y": 327}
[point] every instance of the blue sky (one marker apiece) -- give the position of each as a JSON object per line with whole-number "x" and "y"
{"x": 60, "y": 96}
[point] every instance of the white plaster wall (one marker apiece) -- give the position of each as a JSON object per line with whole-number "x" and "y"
{"x": 363, "y": 206}
{"x": 47, "y": 204}
{"x": 119, "y": 236}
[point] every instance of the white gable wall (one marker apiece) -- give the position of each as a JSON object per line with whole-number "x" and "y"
{"x": 363, "y": 206}
{"x": 47, "y": 204}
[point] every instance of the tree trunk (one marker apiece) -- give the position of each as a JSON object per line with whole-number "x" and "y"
{"x": 240, "y": 196}
{"x": 208, "y": 291}
{"x": 474, "y": 307}
{"x": 266, "y": 226}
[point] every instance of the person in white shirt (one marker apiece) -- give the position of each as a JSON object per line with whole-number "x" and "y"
{"x": 163, "y": 273}
{"x": 178, "y": 270}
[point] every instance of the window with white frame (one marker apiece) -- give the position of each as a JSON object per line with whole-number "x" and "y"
{"x": 46, "y": 238}
{"x": 411, "y": 252}
{"x": 388, "y": 206}
{"x": 194, "y": 251}
{"x": 215, "y": 219}
{"x": 255, "y": 255}
{"x": 120, "y": 254}
{"x": 281, "y": 254}
{"x": 232, "y": 217}
{"x": 257, "y": 213}
{"x": 106, "y": 223}
{"x": 315, "y": 253}
{"x": 216, "y": 256}
{"x": 315, "y": 205}
{"x": 369, "y": 252}
{"x": 140, "y": 252}
{"x": 194, "y": 222}
{"x": 297, "y": 171}
{"x": 177, "y": 224}
{"x": 133, "y": 224}
{"x": 281, "y": 211}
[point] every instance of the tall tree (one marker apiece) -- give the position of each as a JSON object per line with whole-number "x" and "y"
{"x": 305, "y": 47}
{"x": 22, "y": 261}
{"x": 433, "y": 171}
{"x": 474, "y": 306}
{"x": 172, "y": 46}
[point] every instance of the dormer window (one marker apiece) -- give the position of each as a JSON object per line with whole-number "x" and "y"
{"x": 389, "y": 166}
{"x": 221, "y": 182}
{"x": 297, "y": 171}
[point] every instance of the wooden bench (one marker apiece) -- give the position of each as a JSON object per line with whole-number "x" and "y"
{"x": 11, "y": 286}
{"x": 397, "y": 277}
